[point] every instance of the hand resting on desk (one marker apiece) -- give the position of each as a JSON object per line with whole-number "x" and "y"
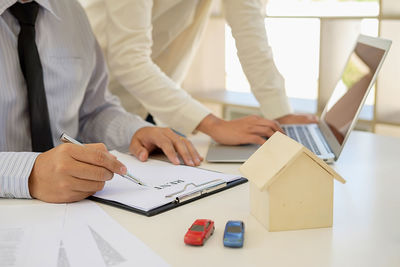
{"x": 147, "y": 139}
{"x": 246, "y": 130}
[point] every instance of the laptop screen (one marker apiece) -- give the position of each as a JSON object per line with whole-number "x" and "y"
{"x": 349, "y": 92}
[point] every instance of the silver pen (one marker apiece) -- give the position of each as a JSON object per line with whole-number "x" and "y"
{"x": 68, "y": 139}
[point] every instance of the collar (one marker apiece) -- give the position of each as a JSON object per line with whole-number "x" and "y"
{"x": 46, "y": 4}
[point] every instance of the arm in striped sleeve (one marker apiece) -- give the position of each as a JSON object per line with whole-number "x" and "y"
{"x": 15, "y": 169}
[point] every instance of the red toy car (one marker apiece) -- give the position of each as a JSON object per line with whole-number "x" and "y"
{"x": 198, "y": 233}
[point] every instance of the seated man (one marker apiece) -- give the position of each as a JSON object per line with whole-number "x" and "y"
{"x": 53, "y": 79}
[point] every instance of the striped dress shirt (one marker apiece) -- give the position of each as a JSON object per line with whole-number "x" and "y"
{"x": 75, "y": 78}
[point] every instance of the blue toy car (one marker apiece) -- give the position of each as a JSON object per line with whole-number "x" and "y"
{"x": 234, "y": 234}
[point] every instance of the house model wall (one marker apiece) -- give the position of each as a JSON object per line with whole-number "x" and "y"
{"x": 290, "y": 187}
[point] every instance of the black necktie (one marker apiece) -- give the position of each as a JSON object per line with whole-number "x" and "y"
{"x": 32, "y": 70}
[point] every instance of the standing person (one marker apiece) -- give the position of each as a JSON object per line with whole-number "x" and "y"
{"x": 149, "y": 45}
{"x": 53, "y": 79}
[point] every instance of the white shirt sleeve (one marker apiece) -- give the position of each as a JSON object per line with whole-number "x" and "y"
{"x": 15, "y": 169}
{"x": 246, "y": 19}
{"x": 129, "y": 42}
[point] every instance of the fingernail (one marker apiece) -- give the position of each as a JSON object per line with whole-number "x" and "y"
{"x": 191, "y": 162}
{"x": 123, "y": 170}
{"x": 141, "y": 156}
{"x": 176, "y": 160}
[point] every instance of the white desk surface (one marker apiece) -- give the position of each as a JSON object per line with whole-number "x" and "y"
{"x": 365, "y": 232}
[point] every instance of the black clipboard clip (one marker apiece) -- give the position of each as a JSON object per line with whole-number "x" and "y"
{"x": 181, "y": 196}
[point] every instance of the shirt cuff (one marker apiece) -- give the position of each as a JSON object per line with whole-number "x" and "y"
{"x": 15, "y": 169}
{"x": 189, "y": 117}
{"x": 274, "y": 107}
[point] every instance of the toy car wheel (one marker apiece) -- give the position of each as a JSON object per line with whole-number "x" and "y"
{"x": 212, "y": 232}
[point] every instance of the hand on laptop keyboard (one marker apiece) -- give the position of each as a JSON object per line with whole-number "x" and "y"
{"x": 251, "y": 129}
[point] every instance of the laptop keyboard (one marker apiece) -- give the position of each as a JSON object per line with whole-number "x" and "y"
{"x": 312, "y": 141}
{"x": 303, "y": 136}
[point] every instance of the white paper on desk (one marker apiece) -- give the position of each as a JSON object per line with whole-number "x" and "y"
{"x": 30, "y": 234}
{"x": 92, "y": 238}
{"x": 157, "y": 174}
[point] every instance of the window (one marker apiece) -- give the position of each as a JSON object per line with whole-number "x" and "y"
{"x": 310, "y": 25}
{"x": 197, "y": 228}
{"x": 323, "y": 8}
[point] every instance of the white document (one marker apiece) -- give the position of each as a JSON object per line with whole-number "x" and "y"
{"x": 162, "y": 179}
{"x": 68, "y": 235}
{"x": 30, "y": 234}
{"x": 92, "y": 238}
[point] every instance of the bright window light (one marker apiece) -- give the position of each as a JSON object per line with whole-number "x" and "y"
{"x": 295, "y": 46}
{"x": 323, "y": 8}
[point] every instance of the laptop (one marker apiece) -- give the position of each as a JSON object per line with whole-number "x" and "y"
{"x": 327, "y": 138}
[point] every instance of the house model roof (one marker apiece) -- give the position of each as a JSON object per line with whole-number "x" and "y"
{"x": 277, "y": 153}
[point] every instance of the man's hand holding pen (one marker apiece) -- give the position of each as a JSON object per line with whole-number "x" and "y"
{"x": 70, "y": 172}
{"x": 73, "y": 171}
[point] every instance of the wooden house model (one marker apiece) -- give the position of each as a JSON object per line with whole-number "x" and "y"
{"x": 290, "y": 187}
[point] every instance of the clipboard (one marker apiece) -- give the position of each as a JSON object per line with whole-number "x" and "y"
{"x": 201, "y": 193}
